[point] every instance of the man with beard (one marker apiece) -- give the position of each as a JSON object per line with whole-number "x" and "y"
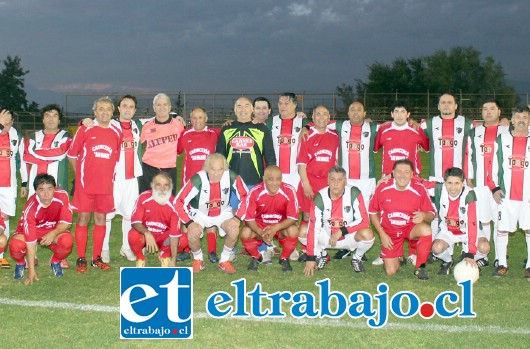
{"x": 155, "y": 223}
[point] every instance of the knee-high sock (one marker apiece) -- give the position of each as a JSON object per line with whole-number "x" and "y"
{"x": 137, "y": 243}
{"x": 444, "y": 256}
{"x": 81, "y": 238}
{"x": 251, "y": 245}
{"x": 125, "y": 227}
{"x": 289, "y": 244}
{"x": 362, "y": 247}
{"x": 423, "y": 248}
{"x": 98, "y": 235}
{"x": 211, "y": 237}
{"x": 527, "y": 250}
{"x": 108, "y": 228}
{"x": 6, "y": 233}
{"x": 63, "y": 248}
{"x": 502, "y": 247}
{"x": 17, "y": 250}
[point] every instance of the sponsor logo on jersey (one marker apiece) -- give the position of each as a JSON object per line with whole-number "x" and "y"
{"x": 156, "y": 303}
{"x": 242, "y": 143}
{"x": 517, "y": 163}
{"x": 486, "y": 148}
{"x": 326, "y": 303}
{"x": 447, "y": 142}
{"x": 354, "y": 146}
{"x": 286, "y": 140}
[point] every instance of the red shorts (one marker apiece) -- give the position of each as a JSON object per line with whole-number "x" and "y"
{"x": 398, "y": 237}
{"x": 317, "y": 183}
{"x": 99, "y": 203}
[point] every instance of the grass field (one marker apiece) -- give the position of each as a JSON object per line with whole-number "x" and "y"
{"x": 81, "y": 311}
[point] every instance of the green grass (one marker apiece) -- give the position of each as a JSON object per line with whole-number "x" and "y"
{"x": 500, "y": 304}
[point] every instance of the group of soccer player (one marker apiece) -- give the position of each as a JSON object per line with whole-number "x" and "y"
{"x": 310, "y": 184}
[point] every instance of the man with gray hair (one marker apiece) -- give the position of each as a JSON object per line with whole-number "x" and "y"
{"x": 161, "y": 135}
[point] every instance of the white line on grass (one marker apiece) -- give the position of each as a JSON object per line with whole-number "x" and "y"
{"x": 312, "y": 322}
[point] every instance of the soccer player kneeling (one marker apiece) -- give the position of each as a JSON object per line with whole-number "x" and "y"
{"x": 46, "y": 218}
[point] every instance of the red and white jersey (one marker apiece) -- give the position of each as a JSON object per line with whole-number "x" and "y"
{"x": 319, "y": 152}
{"x": 512, "y": 166}
{"x": 11, "y": 150}
{"x": 158, "y": 219}
{"x": 197, "y": 145}
{"x": 2, "y": 223}
{"x": 447, "y": 143}
{"x": 397, "y": 207}
{"x": 210, "y": 198}
{"x": 400, "y": 142}
{"x": 161, "y": 142}
{"x": 268, "y": 209}
{"x": 285, "y": 135}
{"x": 480, "y": 154}
{"x": 97, "y": 151}
{"x": 329, "y": 215}
{"x": 129, "y": 165}
{"x": 38, "y": 219}
{"x": 356, "y": 145}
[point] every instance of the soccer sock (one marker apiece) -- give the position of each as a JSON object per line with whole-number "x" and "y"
{"x": 183, "y": 242}
{"x": 125, "y": 227}
{"x": 225, "y": 254}
{"x": 527, "y": 250}
{"x": 362, "y": 247}
{"x": 495, "y": 241}
{"x": 165, "y": 251}
{"x": 251, "y": 245}
{"x": 6, "y": 233}
{"x": 211, "y": 237}
{"x": 444, "y": 256}
{"x": 303, "y": 241}
{"x": 502, "y": 247}
{"x": 17, "y": 250}
{"x": 81, "y": 237}
{"x": 423, "y": 249}
{"x": 108, "y": 228}
{"x": 98, "y": 235}
{"x": 63, "y": 248}
{"x": 480, "y": 255}
{"x": 197, "y": 255}
{"x": 289, "y": 244}
{"x": 137, "y": 243}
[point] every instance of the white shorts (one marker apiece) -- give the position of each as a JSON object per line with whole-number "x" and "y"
{"x": 207, "y": 221}
{"x": 452, "y": 239}
{"x": 8, "y": 200}
{"x": 366, "y": 186}
{"x": 292, "y": 179}
{"x": 125, "y": 194}
{"x": 510, "y": 213}
{"x": 348, "y": 243}
{"x": 486, "y": 205}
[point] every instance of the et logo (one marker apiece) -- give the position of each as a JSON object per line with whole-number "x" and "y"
{"x": 156, "y": 303}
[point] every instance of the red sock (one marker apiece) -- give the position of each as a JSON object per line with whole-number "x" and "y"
{"x": 251, "y": 245}
{"x": 98, "y": 235}
{"x": 81, "y": 237}
{"x": 423, "y": 249}
{"x": 2, "y": 249}
{"x": 289, "y": 244}
{"x": 17, "y": 250}
{"x": 212, "y": 241}
{"x": 137, "y": 243}
{"x": 183, "y": 242}
{"x": 63, "y": 248}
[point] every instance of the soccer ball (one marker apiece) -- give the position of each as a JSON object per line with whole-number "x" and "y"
{"x": 463, "y": 271}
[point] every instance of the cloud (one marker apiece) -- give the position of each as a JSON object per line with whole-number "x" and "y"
{"x": 298, "y": 10}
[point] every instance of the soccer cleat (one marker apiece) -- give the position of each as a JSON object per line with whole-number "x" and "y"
{"x": 411, "y": 259}
{"x": 322, "y": 260}
{"x": 164, "y": 261}
{"x": 227, "y": 267}
{"x": 198, "y": 265}
{"x": 445, "y": 268}
{"x": 182, "y": 256}
{"x": 65, "y": 264}
{"x": 421, "y": 274}
{"x": 213, "y": 257}
{"x": 431, "y": 258}
{"x": 57, "y": 269}
{"x": 341, "y": 254}
{"x": 378, "y": 261}
{"x": 254, "y": 263}
{"x": 501, "y": 270}
{"x": 4, "y": 263}
{"x": 98, "y": 263}
{"x": 303, "y": 257}
{"x": 524, "y": 263}
{"x": 286, "y": 265}
{"x": 105, "y": 256}
{"x": 140, "y": 263}
{"x": 357, "y": 265}
{"x": 80, "y": 265}
{"x": 125, "y": 252}
{"x": 294, "y": 256}
{"x": 483, "y": 262}
{"x": 527, "y": 273}
{"x": 267, "y": 256}
{"x": 364, "y": 258}
{"x": 19, "y": 271}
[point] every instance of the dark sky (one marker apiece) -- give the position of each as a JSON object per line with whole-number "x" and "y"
{"x": 245, "y": 46}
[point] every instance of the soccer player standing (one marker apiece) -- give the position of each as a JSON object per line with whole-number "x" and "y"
{"x": 93, "y": 155}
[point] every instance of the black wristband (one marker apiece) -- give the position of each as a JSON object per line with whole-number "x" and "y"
{"x": 494, "y": 190}
{"x": 344, "y": 231}
{"x": 188, "y": 223}
{"x": 311, "y": 258}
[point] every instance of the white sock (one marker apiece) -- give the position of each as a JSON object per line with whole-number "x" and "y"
{"x": 502, "y": 247}
{"x": 527, "y": 250}
{"x": 108, "y": 225}
{"x": 6, "y": 233}
{"x": 125, "y": 228}
{"x": 480, "y": 255}
{"x": 197, "y": 255}
{"x": 303, "y": 241}
{"x": 227, "y": 251}
{"x": 362, "y": 247}
{"x": 444, "y": 256}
